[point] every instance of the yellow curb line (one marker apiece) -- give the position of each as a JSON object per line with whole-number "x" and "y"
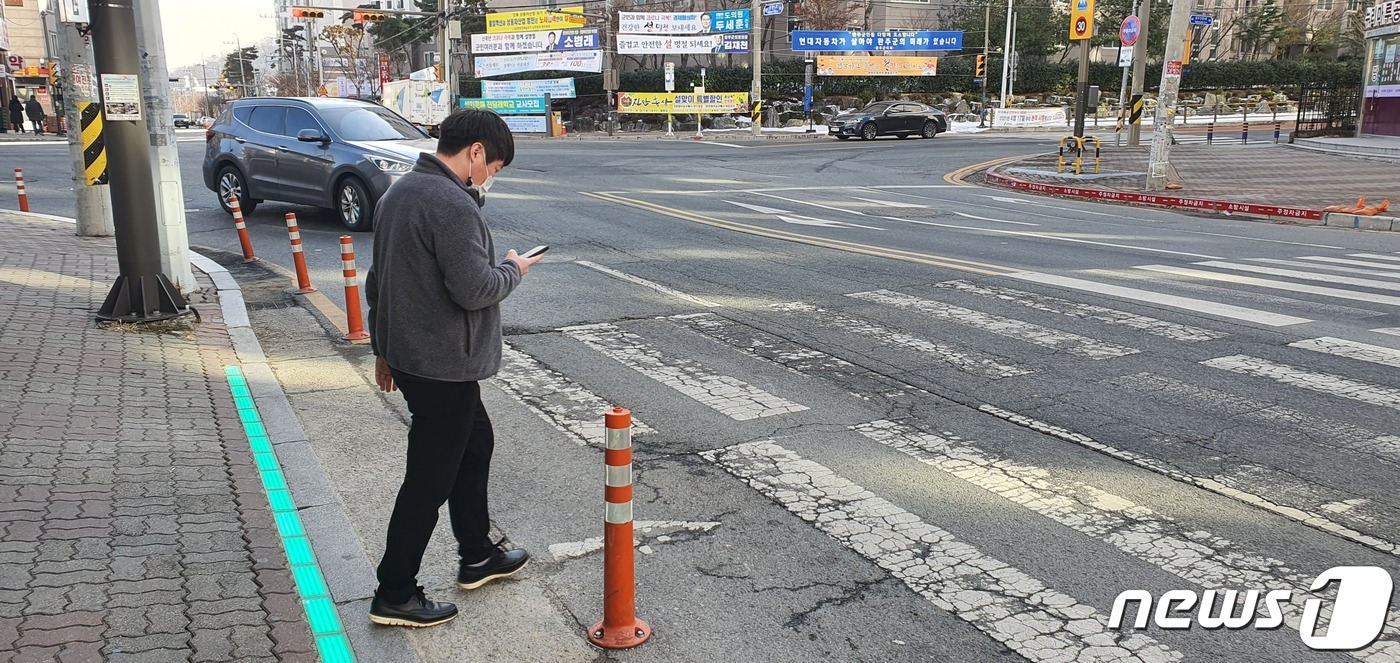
{"x": 956, "y": 177}
{"x": 317, "y": 300}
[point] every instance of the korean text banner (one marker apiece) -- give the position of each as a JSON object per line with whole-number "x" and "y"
{"x": 857, "y": 65}
{"x": 568, "y": 39}
{"x": 517, "y": 106}
{"x": 682, "y": 102}
{"x": 813, "y": 40}
{"x": 589, "y": 61}
{"x": 535, "y": 19}
{"x": 556, "y": 88}
{"x": 685, "y": 23}
{"x": 527, "y": 124}
{"x": 642, "y": 44}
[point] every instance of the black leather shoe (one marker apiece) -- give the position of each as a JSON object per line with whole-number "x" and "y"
{"x": 418, "y": 611}
{"x": 500, "y": 563}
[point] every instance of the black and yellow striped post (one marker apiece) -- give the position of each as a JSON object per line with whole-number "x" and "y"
{"x": 756, "y": 113}
{"x": 1136, "y": 116}
{"x": 94, "y": 145}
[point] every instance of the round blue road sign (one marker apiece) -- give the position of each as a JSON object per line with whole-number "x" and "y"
{"x": 1130, "y": 30}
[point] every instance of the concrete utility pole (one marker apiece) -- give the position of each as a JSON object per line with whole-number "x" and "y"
{"x": 756, "y": 50}
{"x": 1159, "y": 168}
{"x": 170, "y": 197}
{"x": 142, "y": 292}
{"x": 1005, "y": 59}
{"x": 609, "y": 64}
{"x": 80, "y": 87}
{"x": 1139, "y": 69}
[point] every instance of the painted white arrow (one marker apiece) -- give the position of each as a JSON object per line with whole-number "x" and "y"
{"x": 823, "y": 223}
{"x": 759, "y": 208}
{"x": 656, "y": 530}
{"x": 1014, "y": 201}
{"x": 890, "y": 203}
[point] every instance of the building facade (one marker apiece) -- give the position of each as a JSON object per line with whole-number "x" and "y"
{"x": 1380, "y": 105}
{"x": 26, "y": 55}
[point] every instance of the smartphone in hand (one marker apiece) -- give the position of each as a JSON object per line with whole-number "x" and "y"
{"x": 535, "y": 251}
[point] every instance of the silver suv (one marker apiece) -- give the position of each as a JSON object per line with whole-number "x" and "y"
{"x": 340, "y": 154}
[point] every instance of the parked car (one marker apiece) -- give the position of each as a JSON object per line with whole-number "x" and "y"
{"x": 886, "y": 118}
{"x": 182, "y": 121}
{"x": 340, "y": 154}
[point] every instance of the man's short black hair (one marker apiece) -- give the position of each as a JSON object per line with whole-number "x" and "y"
{"x": 477, "y": 125}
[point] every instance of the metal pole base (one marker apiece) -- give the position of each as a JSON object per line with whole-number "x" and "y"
{"x": 143, "y": 299}
{"x": 624, "y": 637}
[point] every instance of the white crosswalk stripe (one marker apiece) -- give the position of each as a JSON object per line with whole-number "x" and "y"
{"x": 1351, "y": 349}
{"x": 1154, "y": 326}
{"x": 1376, "y": 256}
{"x": 963, "y": 360}
{"x": 1035, "y": 621}
{"x": 573, "y": 410}
{"x": 1207, "y": 307}
{"x": 1276, "y": 285}
{"x": 727, "y": 395}
{"x": 1054, "y": 339}
{"x": 1329, "y": 267}
{"x": 1358, "y": 263}
{"x": 1324, "y": 383}
{"x": 1218, "y": 293}
{"x": 1306, "y": 276}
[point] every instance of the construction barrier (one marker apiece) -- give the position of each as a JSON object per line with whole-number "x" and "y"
{"x": 1078, "y": 149}
{"x": 298, "y": 258}
{"x": 352, "y": 291}
{"x": 620, "y": 628}
{"x": 243, "y": 239}
{"x": 1098, "y": 147}
{"x": 19, "y": 188}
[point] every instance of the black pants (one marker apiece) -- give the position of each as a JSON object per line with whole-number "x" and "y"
{"x": 449, "y": 460}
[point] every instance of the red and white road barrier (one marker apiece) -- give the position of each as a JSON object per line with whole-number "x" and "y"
{"x": 19, "y": 188}
{"x": 620, "y": 628}
{"x": 352, "y": 291}
{"x": 1275, "y": 211}
{"x": 243, "y": 239}
{"x": 298, "y": 258}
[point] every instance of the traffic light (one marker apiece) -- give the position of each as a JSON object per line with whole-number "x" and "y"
{"x": 981, "y": 66}
{"x": 302, "y": 12}
{"x": 370, "y": 17}
{"x": 437, "y": 72}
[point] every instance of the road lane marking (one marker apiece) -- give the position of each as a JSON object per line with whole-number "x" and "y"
{"x": 1222, "y": 292}
{"x": 566, "y": 405}
{"x": 1341, "y": 347}
{"x": 968, "y": 361}
{"x": 1344, "y": 261}
{"x": 986, "y": 218}
{"x": 1054, "y": 339}
{"x": 890, "y": 203}
{"x": 1277, "y": 285}
{"x": 1021, "y": 612}
{"x": 1393, "y": 331}
{"x": 1375, "y": 256}
{"x": 1322, "y": 383}
{"x": 1328, "y": 267}
{"x": 790, "y": 217}
{"x": 1306, "y": 276}
{"x": 1154, "y": 326}
{"x": 1203, "y": 306}
{"x": 658, "y": 531}
{"x": 649, "y": 284}
{"x": 729, "y": 396}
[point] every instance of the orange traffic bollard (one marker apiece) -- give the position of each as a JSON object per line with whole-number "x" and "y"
{"x": 298, "y": 258}
{"x": 242, "y": 227}
{"x": 620, "y": 628}
{"x": 19, "y": 187}
{"x": 352, "y": 291}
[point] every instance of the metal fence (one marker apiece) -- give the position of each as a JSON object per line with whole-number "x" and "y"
{"x": 1327, "y": 109}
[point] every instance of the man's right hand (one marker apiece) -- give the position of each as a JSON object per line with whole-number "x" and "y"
{"x": 522, "y": 262}
{"x": 383, "y": 376}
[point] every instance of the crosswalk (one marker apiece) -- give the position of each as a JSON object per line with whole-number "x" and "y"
{"x": 1243, "y": 383}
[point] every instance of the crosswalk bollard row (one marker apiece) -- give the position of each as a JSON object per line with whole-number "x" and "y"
{"x": 19, "y": 188}
{"x": 620, "y": 628}
{"x": 298, "y": 258}
{"x": 243, "y": 239}
{"x": 355, "y": 320}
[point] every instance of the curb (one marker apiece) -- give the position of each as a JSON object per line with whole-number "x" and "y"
{"x": 1358, "y": 221}
{"x": 1294, "y": 214}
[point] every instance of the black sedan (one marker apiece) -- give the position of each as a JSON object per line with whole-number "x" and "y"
{"x": 886, "y": 118}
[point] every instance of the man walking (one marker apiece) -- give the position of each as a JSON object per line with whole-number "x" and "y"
{"x": 434, "y": 292}
{"x": 36, "y": 115}
{"x": 16, "y": 114}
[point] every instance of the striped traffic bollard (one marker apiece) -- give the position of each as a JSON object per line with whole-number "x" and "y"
{"x": 1210, "y": 133}
{"x": 352, "y": 291}
{"x": 19, "y": 188}
{"x": 1278, "y": 129}
{"x": 620, "y": 628}
{"x": 1244, "y": 134}
{"x": 243, "y": 239}
{"x": 298, "y": 258}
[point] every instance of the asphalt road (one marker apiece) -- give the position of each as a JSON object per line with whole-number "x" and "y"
{"x": 935, "y": 422}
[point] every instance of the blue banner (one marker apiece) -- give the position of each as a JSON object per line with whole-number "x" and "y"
{"x": 815, "y": 40}
{"x": 515, "y": 106}
{"x": 733, "y": 20}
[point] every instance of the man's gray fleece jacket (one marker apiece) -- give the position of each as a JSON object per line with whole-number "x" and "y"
{"x": 435, "y": 286}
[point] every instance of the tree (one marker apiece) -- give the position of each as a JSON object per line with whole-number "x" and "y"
{"x": 397, "y": 35}
{"x": 238, "y": 68}
{"x": 1261, "y": 27}
{"x": 1042, "y": 26}
{"x": 828, "y": 15}
{"x": 1109, "y": 14}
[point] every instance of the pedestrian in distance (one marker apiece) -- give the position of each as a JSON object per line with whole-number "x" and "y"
{"x": 16, "y": 114}
{"x": 36, "y": 115}
{"x": 434, "y": 292}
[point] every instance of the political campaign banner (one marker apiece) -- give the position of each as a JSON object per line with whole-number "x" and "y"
{"x": 858, "y": 65}
{"x": 684, "y": 23}
{"x": 818, "y": 40}
{"x": 527, "y": 124}
{"x": 682, "y": 102}
{"x": 664, "y": 44}
{"x": 1029, "y": 117}
{"x": 535, "y": 19}
{"x": 568, "y": 39}
{"x": 556, "y": 88}
{"x": 515, "y": 106}
{"x": 588, "y": 61}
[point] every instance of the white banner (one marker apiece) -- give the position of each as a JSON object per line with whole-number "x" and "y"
{"x": 556, "y": 88}
{"x": 587, "y": 61}
{"x": 530, "y": 42}
{"x": 644, "y": 44}
{"x": 1029, "y": 117}
{"x": 659, "y": 23}
{"x": 526, "y": 124}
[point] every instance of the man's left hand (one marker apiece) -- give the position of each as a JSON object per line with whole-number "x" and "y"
{"x": 383, "y": 376}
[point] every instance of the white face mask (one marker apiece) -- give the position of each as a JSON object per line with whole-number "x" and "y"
{"x": 485, "y": 185}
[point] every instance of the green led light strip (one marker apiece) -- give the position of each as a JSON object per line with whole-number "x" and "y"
{"x": 331, "y": 641}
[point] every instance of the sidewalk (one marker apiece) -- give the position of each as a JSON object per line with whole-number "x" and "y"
{"x": 12, "y": 137}
{"x": 134, "y": 522}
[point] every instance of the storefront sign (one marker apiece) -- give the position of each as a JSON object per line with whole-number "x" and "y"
{"x": 646, "y": 44}
{"x": 856, "y": 65}
{"x": 516, "y": 106}
{"x": 1028, "y": 117}
{"x": 1383, "y": 77}
{"x": 535, "y": 19}
{"x": 684, "y": 23}
{"x": 813, "y": 40}
{"x": 556, "y": 88}
{"x": 682, "y": 102}
{"x": 1382, "y": 15}
{"x": 588, "y": 61}
{"x": 570, "y": 39}
{"x": 74, "y": 11}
